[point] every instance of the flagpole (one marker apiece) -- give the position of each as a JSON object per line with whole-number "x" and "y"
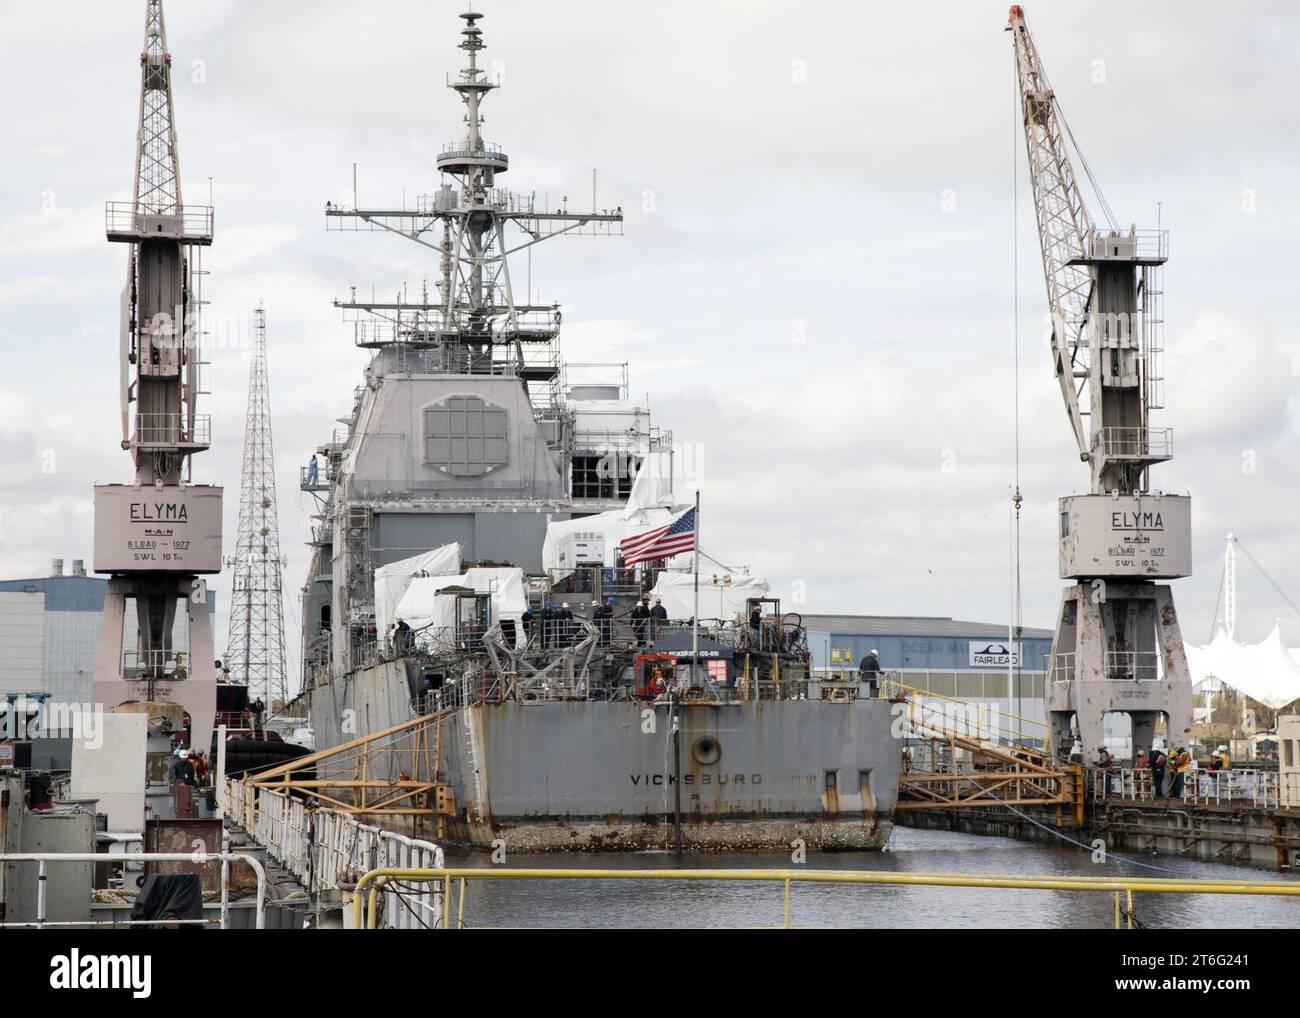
{"x": 695, "y": 618}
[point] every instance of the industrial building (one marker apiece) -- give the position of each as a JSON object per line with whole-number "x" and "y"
{"x": 49, "y": 632}
{"x": 944, "y": 656}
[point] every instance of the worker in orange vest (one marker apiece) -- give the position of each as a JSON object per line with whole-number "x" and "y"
{"x": 1182, "y": 761}
{"x": 1219, "y": 761}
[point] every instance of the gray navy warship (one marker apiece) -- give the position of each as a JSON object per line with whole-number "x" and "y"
{"x": 467, "y": 608}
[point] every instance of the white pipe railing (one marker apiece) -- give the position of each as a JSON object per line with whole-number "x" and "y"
{"x": 42, "y": 859}
{"x": 326, "y": 849}
{"x": 1243, "y": 786}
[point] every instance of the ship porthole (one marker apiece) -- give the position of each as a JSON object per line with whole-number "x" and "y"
{"x": 706, "y": 750}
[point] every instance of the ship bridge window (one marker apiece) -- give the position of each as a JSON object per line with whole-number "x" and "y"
{"x": 465, "y": 436}
{"x": 607, "y": 475}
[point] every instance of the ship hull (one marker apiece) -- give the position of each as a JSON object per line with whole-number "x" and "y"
{"x": 574, "y": 776}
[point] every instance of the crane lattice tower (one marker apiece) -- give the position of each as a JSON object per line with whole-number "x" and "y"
{"x": 255, "y": 649}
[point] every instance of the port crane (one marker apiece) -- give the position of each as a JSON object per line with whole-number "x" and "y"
{"x": 159, "y": 535}
{"x": 1117, "y": 645}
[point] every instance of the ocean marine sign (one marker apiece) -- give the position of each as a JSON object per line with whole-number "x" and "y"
{"x": 146, "y": 530}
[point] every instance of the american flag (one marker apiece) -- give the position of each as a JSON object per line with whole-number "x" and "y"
{"x": 662, "y": 542}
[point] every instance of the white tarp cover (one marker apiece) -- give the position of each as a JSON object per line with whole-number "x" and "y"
{"x": 1265, "y": 671}
{"x": 653, "y": 485}
{"x": 718, "y": 600}
{"x": 392, "y": 580}
{"x": 422, "y": 609}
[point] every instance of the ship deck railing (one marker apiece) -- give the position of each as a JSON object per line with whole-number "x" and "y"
{"x": 484, "y": 688}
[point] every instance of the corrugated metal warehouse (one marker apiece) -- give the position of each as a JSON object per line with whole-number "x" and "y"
{"x": 945, "y": 656}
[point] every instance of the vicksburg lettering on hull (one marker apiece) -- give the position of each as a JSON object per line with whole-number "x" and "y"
{"x": 704, "y": 779}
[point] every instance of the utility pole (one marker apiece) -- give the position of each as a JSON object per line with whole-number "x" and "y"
{"x": 255, "y": 644}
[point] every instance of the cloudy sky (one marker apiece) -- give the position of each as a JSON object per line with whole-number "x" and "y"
{"x": 815, "y": 283}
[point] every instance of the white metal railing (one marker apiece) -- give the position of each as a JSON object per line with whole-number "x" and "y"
{"x": 42, "y": 859}
{"x": 1132, "y": 665}
{"x": 460, "y": 152}
{"x": 327, "y": 849}
{"x": 1243, "y": 786}
{"x": 128, "y": 218}
{"x": 1143, "y": 244}
{"x": 153, "y": 662}
{"x": 1152, "y": 243}
{"x": 170, "y": 429}
{"x": 1134, "y": 443}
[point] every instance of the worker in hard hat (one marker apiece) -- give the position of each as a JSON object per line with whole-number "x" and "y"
{"x": 603, "y": 616}
{"x": 1159, "y": 763}
{"x": 869, "y": 671}
{"x": 403, "y": 637}
{"x": 1219, "y": 760}
{"x": 640, "y": 617}
{"x": 1181, "y": 762}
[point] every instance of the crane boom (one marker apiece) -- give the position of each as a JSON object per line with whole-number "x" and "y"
{"x": 157, "y": 167}
{"x": 1064, "y": 226}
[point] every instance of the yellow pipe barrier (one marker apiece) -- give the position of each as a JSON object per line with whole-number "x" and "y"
{"x": 376, "y": 878}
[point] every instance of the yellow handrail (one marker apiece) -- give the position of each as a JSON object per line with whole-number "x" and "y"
{"x": 372, "y": 882}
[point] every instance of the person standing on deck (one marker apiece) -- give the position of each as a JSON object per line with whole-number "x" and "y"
{"x": 1158, "y": 763}
{"x": 869, "y": 671}
{"x": 603, "y": 616}
{"x": 1181, "y": 763}
{"x": 548, "y": 624}
{"x": 640, "y": 617}
{"x": 658, "y": 614}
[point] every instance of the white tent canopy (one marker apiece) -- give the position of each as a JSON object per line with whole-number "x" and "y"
{"x": 722, "y": 594}
{"x": 434, "y": 617}
{"x": 392, "y": 580}
{"x": 1267, "y": 671}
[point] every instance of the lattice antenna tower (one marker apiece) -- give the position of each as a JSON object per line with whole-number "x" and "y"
{"x": 255, "y": 649}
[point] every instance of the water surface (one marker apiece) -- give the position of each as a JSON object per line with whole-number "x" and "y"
{"x": 665, "y": 904}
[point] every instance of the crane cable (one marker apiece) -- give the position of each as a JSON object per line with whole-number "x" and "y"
{"x": 1273, "y": 583}
{"x": 1083, "y": 160}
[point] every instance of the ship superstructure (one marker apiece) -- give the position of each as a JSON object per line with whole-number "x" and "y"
{"x": 468, "y": 428}
{"x": 466, "y": 593}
